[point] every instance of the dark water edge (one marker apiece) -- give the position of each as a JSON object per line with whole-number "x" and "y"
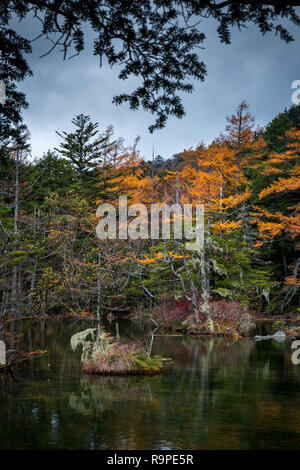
{"x": 219, "y": 394}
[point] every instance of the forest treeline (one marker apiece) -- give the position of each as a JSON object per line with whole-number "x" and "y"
{"x": 52, "y": 262}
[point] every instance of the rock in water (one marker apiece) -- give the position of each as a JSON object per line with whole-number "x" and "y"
{"x": 279, "y": 334}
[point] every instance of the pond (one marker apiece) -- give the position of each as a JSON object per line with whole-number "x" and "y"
{"x": 219, "y": 394}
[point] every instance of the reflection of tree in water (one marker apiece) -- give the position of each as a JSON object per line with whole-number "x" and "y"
{"x": 99, "y": 394}
{"x": 173, "y": 410}
{"x": 219, "y": 393}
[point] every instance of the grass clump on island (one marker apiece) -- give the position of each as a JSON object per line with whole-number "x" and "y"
{"x": 102, "y": 355}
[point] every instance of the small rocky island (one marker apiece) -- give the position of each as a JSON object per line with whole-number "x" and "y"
{"x": 102, "y": 354}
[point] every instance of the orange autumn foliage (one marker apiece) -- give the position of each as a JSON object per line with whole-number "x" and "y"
{"x": 291, "y": 281}
{"x": 226, "y": 226}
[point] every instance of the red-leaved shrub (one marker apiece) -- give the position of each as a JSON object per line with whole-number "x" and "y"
{"x": 172, "y": 311}
{"x": 227, "y": 311}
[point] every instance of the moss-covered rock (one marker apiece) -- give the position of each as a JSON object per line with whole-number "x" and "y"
{"x": 147, "y": 364}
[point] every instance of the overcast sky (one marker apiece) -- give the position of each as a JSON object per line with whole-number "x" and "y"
{"x": 256, "y": 68}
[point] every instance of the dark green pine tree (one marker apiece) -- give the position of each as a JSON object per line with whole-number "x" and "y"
{"x": 13, "y": 69}
{"x": 51, "y": 174}
{"x": 294, "y": 115}
{"x": 275, "y": 132}
{"x": 80, "y": 147}
{"x": 84, "y": 149}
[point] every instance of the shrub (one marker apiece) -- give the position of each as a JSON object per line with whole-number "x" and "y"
{"x": 223, "y": 313}
{"x": 229, "y": 311}
{"x": 171, "y": 312}
{"x": 278, "y": 325}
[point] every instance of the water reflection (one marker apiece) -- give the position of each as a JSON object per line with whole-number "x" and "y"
{"x": 220, "y": 394}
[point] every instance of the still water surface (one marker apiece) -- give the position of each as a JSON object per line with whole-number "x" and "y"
{"x": 219, "y": 394}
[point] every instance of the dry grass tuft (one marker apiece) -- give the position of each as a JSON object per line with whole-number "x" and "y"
{"x": 101, "y": 355}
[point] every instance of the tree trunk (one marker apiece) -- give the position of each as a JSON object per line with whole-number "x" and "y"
{"x": 99, "y": 288}
{"x": 192, "y": 289}
{"x": 14, "y": 295}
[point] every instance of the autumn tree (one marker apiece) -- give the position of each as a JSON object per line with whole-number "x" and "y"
{"x": 277, "y": 215}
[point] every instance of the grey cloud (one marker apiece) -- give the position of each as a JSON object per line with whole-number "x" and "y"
{"x": 258, "y": 69}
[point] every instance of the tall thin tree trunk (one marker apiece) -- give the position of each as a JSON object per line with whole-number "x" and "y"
{"x": 14, "y": 295}
{"x": 221, "y": 182}
{"x": 17, "y": 192}
{"x": 192, "y": 289}
{"x": 204, "y": 265}
{"x": 33, "y": 276}
{"x": 152, "y": 177}
{"x": 205, "y": 282}
{"x": 99, "y": 289}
